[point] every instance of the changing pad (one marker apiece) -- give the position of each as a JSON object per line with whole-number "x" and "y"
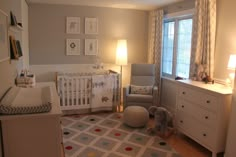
{"x": 26, "y": 100}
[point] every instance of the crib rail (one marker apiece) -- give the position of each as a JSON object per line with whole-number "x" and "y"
{"x": 74, "y": 92}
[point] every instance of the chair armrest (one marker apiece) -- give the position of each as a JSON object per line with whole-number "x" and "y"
{"x": 126, "y": 90}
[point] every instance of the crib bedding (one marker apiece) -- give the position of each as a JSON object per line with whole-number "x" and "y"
{"x": 78, "y": 90}
{"x": 26, "y": 100}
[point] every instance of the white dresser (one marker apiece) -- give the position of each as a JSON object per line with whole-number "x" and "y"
{"x": 33, "y": 135}
{"x": 202, "y": 113}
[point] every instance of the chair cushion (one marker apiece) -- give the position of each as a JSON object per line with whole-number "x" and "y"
{"x": 143, "y": 69}
{"x": 139, "y": 98}
{"x": 145, "y": 90}
{"x": 142, "y": 74}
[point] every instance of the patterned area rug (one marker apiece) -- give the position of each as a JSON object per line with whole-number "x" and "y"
{"x": 105, "y": 135}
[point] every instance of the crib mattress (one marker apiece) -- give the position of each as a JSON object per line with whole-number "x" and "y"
{"x": 26, "y": 100}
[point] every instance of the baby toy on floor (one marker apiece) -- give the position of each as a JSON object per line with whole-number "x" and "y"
{"x": 163, "y": 121}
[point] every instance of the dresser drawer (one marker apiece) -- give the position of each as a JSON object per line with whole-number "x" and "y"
{"x": 200, "y": 98}
{"x": 196, "y": 130}
{"x": 197, "y": 112}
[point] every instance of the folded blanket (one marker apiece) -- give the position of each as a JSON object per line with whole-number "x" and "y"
{"x": 102, "y": 92}
{"x": 26, "y": 100}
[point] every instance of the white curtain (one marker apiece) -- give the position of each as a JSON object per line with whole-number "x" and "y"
{"x": 155, "y": 45}
{"x": 203, "y": 43}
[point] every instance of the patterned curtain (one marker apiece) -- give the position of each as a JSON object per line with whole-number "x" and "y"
{"x": 155, "y": 45}
{"x": 203, "y": 43}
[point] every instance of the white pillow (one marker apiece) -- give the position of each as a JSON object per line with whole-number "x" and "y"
{"x": 145, "y": 90}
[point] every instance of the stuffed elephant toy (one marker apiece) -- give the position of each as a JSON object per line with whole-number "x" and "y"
{"x": 162, "y": 119}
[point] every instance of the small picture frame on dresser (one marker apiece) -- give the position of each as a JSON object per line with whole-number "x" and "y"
{"x": 4, "y": 49}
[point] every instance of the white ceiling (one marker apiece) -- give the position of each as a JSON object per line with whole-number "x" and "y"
{"x": 127, "y": 4}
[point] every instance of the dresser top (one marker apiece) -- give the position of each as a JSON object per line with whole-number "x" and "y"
{"x": 216, "y": 87}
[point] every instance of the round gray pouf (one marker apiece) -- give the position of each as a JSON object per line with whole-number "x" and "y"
{"x": 135, "y": 116}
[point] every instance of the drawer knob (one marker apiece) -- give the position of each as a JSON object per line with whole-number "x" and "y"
{"x": 206, "y": 117}
{"x": 208, "y": 101}
{"x": 204, "y": 135}
{"x": 182, "y": 106}
{"x": 181, "y": 121}
{"x": 183, "y": 93}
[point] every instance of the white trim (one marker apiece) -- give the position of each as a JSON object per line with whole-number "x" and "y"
{"x": 183, "y": 13}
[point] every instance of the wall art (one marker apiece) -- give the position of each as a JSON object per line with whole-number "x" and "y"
{"x": 72, "y": 46}
{"x": 91, "y": 46}
{"x": 73, "y": 25}
{"x": 91, "y": 25}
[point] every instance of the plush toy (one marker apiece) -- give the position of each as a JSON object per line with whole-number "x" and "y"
{"x": 162, "y": 120}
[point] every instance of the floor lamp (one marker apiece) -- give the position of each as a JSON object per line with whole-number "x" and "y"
{"x": 121, "y": 59}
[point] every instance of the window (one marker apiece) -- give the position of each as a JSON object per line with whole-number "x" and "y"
{"x": 177, "y": 36}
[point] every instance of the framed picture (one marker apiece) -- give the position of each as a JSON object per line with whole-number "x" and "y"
{"x": 4, "y": 50}
{"x": 91, "y": 26}
{"x": 72, "y": 46}
{"x": 73, "y": 25}
{"x": 91, "y": 46}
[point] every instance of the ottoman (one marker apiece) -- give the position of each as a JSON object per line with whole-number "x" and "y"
{"x": 135, "y": 116}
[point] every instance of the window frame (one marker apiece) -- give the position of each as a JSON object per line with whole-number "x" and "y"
{"x": 175, "y": 17}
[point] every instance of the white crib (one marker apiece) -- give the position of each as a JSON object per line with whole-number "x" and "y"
{"x": 75, "y": 89}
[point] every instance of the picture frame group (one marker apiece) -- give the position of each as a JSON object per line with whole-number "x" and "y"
{"x": 73, "y": 25}
{"x": 73, "y": 46}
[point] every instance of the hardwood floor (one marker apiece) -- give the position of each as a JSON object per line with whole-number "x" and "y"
{"x": 186, "y": 146}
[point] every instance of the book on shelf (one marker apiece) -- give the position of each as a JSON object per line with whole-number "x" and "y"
{"x": 19, "y": 50}
{"x": 13, "y": 48}
{"x": 13, "y": 19}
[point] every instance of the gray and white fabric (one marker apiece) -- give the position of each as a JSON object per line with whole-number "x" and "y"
{"x": 155, "y": 44}
{"x": 26, "y": 100}
{"x": 203, "y": 43}
{"x": 102, "y": 92}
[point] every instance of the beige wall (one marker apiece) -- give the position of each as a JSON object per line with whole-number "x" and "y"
{"x": 47, "y": 33}
{"x": 225, "y": 36}
{"x": 9, "y": 70}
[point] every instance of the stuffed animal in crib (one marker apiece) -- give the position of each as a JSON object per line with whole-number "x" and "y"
{"x": 163, "y": 121}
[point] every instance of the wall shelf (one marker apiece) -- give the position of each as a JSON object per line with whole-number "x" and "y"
{"x": 16, "y": 28}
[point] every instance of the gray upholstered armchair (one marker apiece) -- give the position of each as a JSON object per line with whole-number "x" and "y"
{"x": 141, "y": 91}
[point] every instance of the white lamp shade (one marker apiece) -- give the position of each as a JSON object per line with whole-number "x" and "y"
{"x": 121, "y": 52}
{"x": 232, "y": 62}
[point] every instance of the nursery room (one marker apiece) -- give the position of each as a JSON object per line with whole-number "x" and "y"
{"x": 120, "y": 78}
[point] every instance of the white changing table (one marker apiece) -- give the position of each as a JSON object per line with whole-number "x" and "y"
{"x": 33, "y": 135}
